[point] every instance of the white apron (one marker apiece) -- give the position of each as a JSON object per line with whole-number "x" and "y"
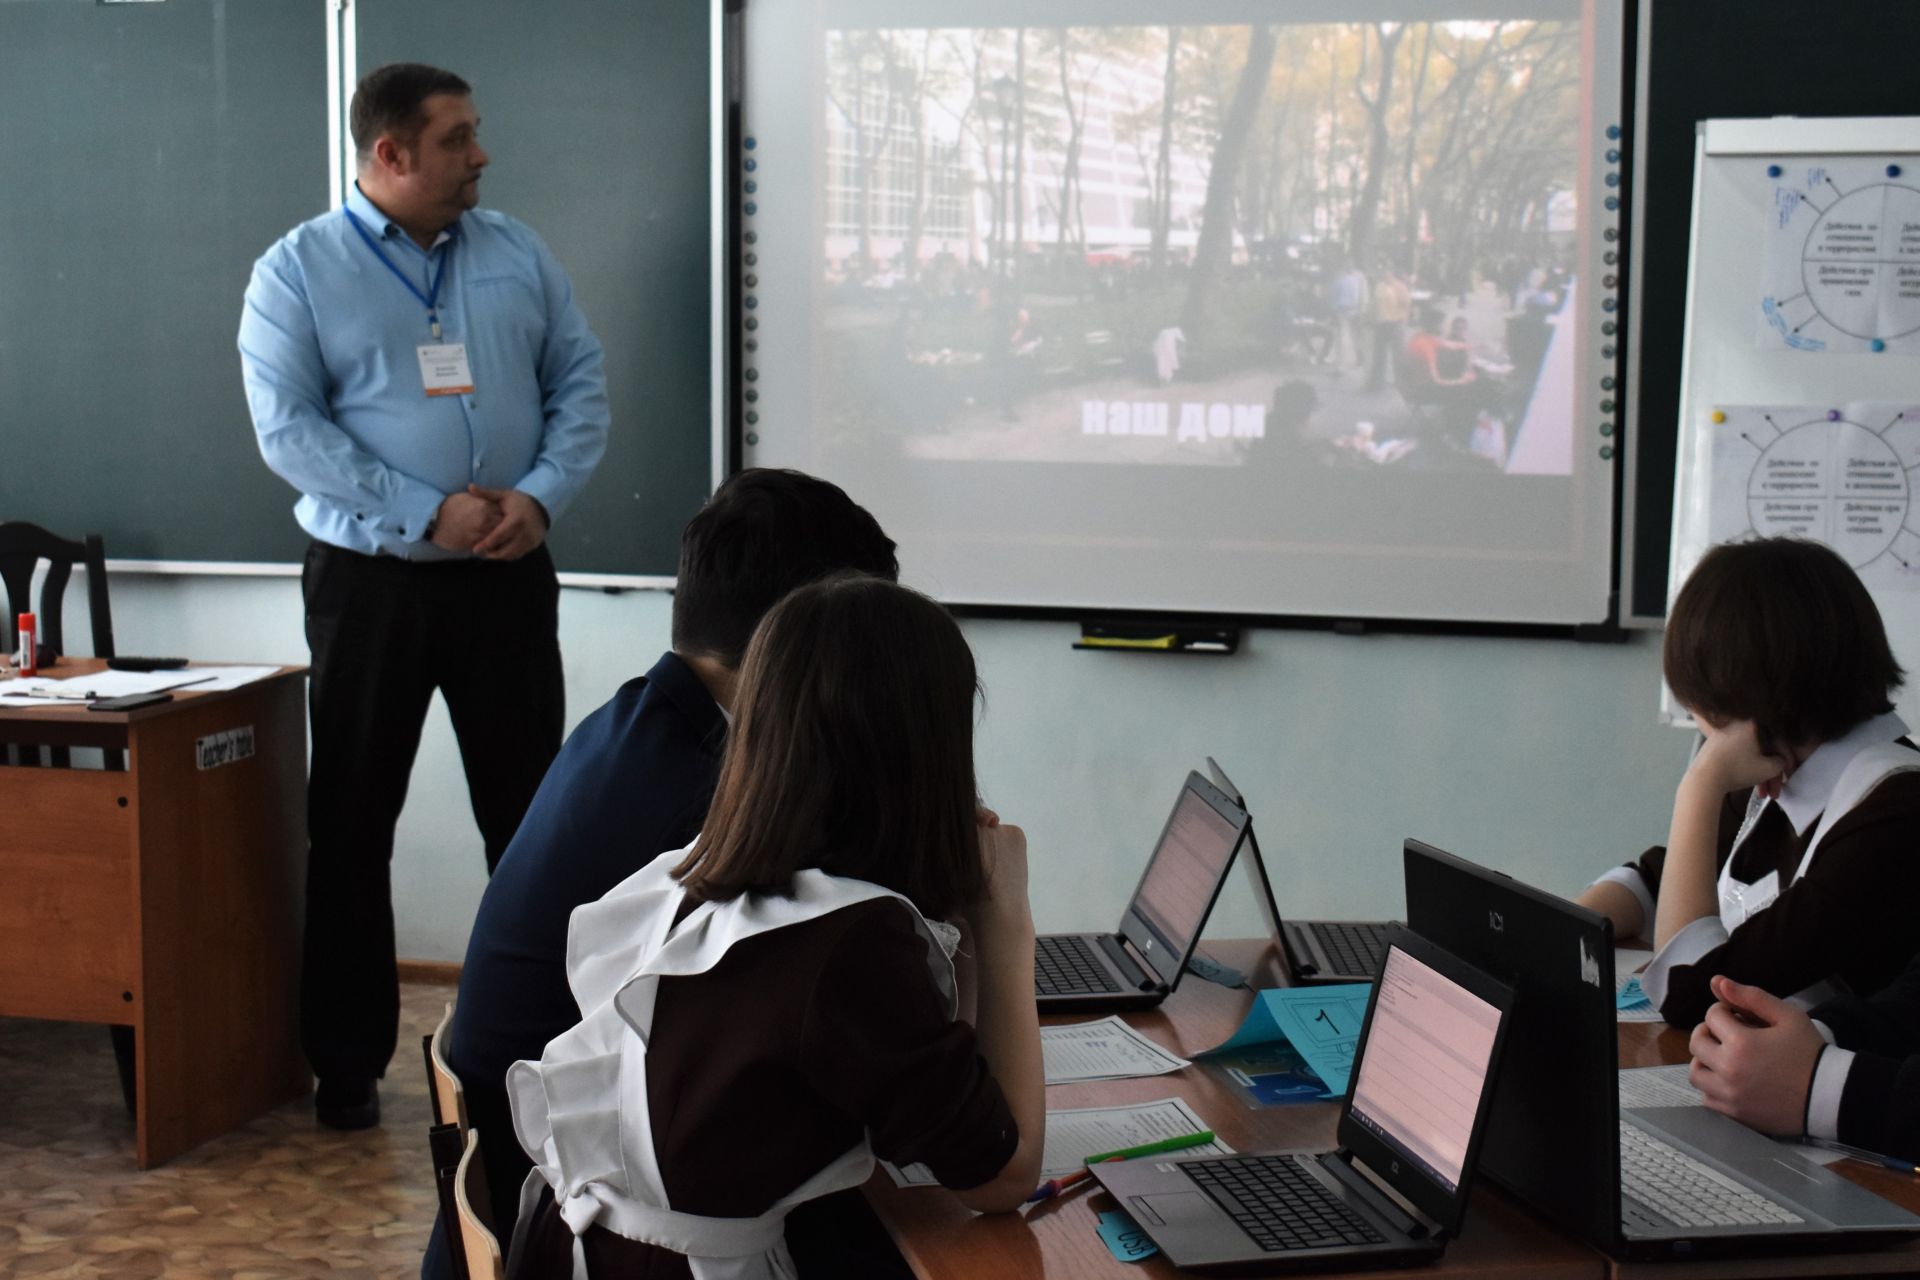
{"x": 581, "y": 1111}
{"x": 1740, "y": 902}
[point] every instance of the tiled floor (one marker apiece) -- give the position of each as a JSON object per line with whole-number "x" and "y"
{"x": 278, "y": 1199}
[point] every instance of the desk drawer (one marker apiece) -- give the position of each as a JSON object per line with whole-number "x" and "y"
{"x": 69, "y": 910}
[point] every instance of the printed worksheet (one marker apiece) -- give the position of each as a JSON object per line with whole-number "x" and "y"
{"x": 1658, "y": 1087}
{"x": 1839, "y": 474}
{"x": 1075, "y": 1134}
{"x": 1842, "y": 266}
{"x": 1105, "y": 1050}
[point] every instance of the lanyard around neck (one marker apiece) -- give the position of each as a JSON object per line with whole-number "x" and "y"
{"x": 430, "y": 298}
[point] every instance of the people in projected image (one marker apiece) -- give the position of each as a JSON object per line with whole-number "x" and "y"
{"x": 1348, "y": 295}
{"x": 1392, "y": 308}
{"x": 1167, "y": 346}
{"x": 1530, "y": 327}
{"x": 1439, "y": 370}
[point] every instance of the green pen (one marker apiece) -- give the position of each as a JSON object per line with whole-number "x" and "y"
{"x": 1179, "y": 1142}
{"x": 1054, "y": 1186}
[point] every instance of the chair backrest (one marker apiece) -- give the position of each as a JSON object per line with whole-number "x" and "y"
{"x": 477, "y": 1241}
{"x": 449, "y": 1098}
{"x": 448, "y": 1145}
{"x": 22, "y": 547}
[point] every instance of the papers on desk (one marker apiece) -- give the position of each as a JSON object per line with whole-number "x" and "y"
{"x": 1629, "y": 1000}
{"x": 1073, "y": 1135}
{"x": 1105, "y": 1050}
{"x": 40, "y": 691}
{"x": 1322, "y": 1024}
{"x": 44, "y": 691}
{"x": 224, "y": 678}
{"x": 1658, "y": 1087}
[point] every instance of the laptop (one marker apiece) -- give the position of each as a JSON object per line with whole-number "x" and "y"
{"x": 1656, "y": 1182}
{"x": 1139, "y": 964}
{"x": 1396, "y": 1187}
{"x": 1316, "y": 950}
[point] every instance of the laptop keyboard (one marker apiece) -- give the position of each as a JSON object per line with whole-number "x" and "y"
{"x": 1352, "y": 948}
{"x": 1691, "y": 1193}
{"x": 1280, "y": 1204}
{"x": 1067, "y": 964}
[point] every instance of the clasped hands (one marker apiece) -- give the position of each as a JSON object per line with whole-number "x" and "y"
{"x": 1754, "y": 1057}
{"x": 494, "y": 524}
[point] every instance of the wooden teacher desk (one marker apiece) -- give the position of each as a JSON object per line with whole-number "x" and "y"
{"x": 165, "y": 894}
{"x": 1057, "y": 1239}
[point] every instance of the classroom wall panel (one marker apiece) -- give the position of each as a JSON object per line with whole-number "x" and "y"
{"x": 153, "y": 151}
{"x": 1536, "y": 756}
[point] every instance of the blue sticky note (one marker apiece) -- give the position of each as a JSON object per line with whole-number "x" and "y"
{"x": 1322, "y": 1023}
{"x": 1631, "y": 996}
{"x": 1123, "y": 1237}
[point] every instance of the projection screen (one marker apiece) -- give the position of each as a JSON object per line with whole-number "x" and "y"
{"x": 1215, "y": 307}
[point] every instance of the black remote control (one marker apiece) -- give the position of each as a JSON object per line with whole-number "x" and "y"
{"x": 145, "y": 664}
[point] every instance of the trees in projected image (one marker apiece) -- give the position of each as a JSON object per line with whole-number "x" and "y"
{"x": 1018, "y": 222}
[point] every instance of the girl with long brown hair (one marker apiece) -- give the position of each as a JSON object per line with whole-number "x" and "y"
{"x": 771, "y": 1007}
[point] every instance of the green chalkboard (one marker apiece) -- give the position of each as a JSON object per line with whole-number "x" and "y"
{"x": 152, "y": 151}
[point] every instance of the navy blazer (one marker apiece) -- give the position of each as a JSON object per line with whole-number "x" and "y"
{"x": 1880, "y": 1109}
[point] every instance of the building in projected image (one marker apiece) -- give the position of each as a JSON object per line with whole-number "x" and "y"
{"x": 934, "y": 153}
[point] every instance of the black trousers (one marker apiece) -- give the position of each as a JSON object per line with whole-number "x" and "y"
{"x": 384, "y": 634}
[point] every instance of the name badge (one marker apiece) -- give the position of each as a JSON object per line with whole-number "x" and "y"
{"x": 1740, "y": 903}
{"x": 443, "y": 368}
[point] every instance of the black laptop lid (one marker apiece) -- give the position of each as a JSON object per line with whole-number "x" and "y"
{"x": 1553, "y": 1137}
{"x": 1423, "y": 1075}
{"x": 1183, "y": 877}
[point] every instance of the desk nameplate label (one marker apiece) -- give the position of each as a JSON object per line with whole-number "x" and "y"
{"x": 230, "y": 746}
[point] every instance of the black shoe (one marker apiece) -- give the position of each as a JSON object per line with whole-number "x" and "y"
{"x": 347, "y": 1103}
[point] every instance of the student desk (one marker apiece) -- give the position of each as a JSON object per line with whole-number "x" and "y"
{"x": 1057, "y": 1240}
{"x": 165, "y": 894}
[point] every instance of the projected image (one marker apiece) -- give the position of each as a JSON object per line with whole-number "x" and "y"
{"x": 1337, "y": 245}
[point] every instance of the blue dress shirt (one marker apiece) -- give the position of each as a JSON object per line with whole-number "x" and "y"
{"x": 328, "y": 346}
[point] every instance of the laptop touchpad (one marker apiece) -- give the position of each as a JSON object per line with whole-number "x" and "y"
{"x": 1174, "y": 1209}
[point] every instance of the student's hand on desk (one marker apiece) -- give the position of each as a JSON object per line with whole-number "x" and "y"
{"x": 1754, "y": 1057}
{"x": 522, "y": 527}
{"x": 463, "y": 520}
{"x": 1731, "y": 760}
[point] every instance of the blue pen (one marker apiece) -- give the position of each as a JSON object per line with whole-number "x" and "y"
{"x": 1861, "y": 1153}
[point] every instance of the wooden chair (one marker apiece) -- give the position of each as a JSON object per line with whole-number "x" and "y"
{"x": 447, "y": 1141}
{"x": 478, "y": 1244}
{"x": 444, "y": 1090}
{"x": 22, "y": 547}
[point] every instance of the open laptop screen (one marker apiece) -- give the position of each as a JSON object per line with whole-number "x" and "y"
{"x": 1184, "y": 875}
{"x": 1428, "y": 1058}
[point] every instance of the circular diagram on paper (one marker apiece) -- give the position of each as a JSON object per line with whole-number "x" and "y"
{"x": 1860, "y": 265}
{"x": 1831, "y": 480}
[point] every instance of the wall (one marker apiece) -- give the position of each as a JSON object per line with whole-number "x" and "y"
{"x": 1540, "y": 757}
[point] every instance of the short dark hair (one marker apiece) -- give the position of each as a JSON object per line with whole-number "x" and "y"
{"x": 1781, "y": 632}
{"x": 391, "y": 100}
{"x": 851, "y": 751}
{"x": 763, "y": 533}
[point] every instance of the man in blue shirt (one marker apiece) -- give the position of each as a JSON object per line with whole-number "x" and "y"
{"x": 418, "y": 370}
{"x": 634, "y": 781}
